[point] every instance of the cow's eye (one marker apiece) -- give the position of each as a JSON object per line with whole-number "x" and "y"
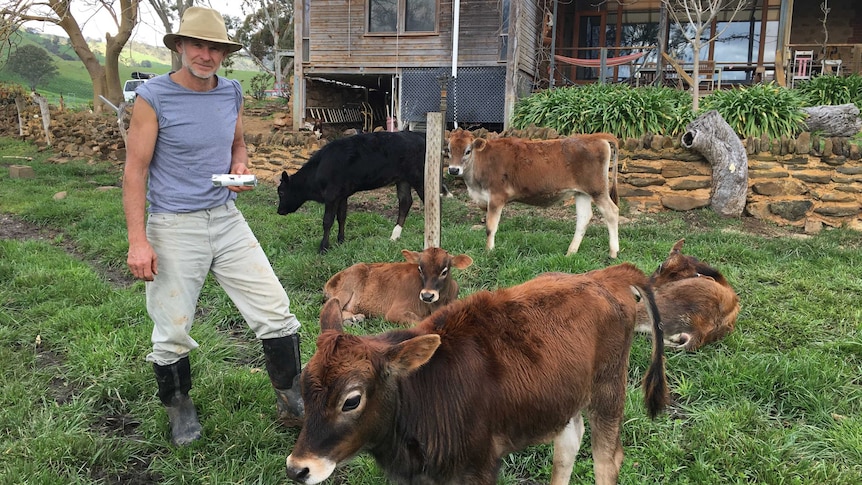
{"x": 444, "y": 272}
{"x": 420, "y": 269}
{"x": 351, "y": 403}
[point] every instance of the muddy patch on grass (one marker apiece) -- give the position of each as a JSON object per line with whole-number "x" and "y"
{"x": 136, "y": 473}
{"x": 16, "y": 228}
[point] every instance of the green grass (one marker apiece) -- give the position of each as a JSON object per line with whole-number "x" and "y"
{"x": 779, "y": 401}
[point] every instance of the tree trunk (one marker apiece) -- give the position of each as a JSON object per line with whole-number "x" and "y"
{"x": 711, "y": 136}
{"x": 839, "y": 120}
{"x": 106, "y": 79}
{"x": 166, "y": 13}
{"x": 91, "y": 62}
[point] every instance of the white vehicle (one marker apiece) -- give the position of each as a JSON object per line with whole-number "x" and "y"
{"x": 131, "y": 85}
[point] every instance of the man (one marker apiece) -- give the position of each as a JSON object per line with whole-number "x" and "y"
{"x": 185, "y": 127}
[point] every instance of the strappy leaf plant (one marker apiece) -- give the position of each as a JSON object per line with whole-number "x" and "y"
{"x": 832, "y": 90}
{"x": 759, "y": 109}
{"x": 625, "y": 111}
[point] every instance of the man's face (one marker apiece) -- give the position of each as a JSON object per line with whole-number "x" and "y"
{"x": 200, "y": 57}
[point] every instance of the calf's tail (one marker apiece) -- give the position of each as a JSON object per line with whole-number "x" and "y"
{"x": 655, "y": 382}
{"x": 615, "y": 149}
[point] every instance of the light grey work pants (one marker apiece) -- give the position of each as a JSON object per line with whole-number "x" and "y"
{"x": 190, "y": 246}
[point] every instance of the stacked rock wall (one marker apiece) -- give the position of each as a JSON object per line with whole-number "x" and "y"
{"x": 804, "y": 182}
{"x": 808, "y": 181}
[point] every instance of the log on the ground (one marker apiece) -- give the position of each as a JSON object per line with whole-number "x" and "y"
{"x": 711, "y": 136}
{"x": 833, "y": 120}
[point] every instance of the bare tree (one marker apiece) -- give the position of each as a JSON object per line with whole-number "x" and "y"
{"x": 170, "y": 12}
{"x": 106, "y": 79}
{"x": 824, "y": 7}
{"x": 10, "y": 23}
{"x": 694, "y": 19}
{"x": 266, "y": 33}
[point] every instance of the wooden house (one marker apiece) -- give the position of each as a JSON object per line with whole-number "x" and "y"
{"x": 379, "y": 59}
{"x": 367, "y": 62}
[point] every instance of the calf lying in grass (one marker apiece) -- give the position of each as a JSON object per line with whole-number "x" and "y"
{"x": 696, "y": 303}
{"x": 399, "y": 292}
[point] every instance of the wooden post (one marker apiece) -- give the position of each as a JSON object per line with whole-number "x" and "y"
{"x": 121, "y": 111}
{"x": 46, "y": 114}
{"x": 19, "y": 105}
{"x": 433, "y": 173}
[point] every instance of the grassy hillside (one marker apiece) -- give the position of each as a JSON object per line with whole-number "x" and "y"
{"x": 73, "y": 81}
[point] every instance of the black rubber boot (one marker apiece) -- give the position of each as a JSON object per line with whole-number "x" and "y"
{"x": 175, "y": 381}
{"x": 284, "y": 366}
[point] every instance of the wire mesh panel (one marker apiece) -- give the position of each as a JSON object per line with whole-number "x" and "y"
{"x": 477, "y": 95}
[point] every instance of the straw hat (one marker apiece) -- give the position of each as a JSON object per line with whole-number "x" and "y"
{"x": 202, "y": 24}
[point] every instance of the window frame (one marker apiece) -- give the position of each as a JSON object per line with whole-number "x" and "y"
{"x": 401, "y": 8}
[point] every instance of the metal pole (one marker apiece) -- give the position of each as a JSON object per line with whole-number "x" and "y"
{"x": 553, "y": 45}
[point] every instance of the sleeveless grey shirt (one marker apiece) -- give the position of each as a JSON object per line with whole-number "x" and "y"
{"x": 194, "y": 142}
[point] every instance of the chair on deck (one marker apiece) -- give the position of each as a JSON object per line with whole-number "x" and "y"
{"x": 831, "y": 67}
{"x": 708, "y": 78}
{"x": 802, "y": 61}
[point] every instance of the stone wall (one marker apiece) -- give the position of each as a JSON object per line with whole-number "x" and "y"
{"x": 84, "y": 135}
{"x": 805, "y": 182}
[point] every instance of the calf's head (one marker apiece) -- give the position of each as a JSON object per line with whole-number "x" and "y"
{"x": 678, "y": 266}
{"x": 288, "y": 198}
{"x": 462, "y": 144}
{"x": 349, "y": 387}
{"x": 435, "y": 267}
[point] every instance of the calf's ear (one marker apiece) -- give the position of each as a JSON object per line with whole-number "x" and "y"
{"x": 677, "y": 247}
{"x": 330, "y": 315}
{"x": 410, "y": 256}
{"x": 479, "y": 144}
{"x": 462, "y": 261}
{"x": 409, "y": 355}
{"x": 285, "y": 178}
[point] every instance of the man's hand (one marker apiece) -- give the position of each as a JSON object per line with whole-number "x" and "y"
{"x": 240, "y": 169}
{"x": 143, "y": 262}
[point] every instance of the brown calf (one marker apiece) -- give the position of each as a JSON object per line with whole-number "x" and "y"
{"x": 540, "y": 173}
{"x": 399, "y": 292}
{"x": 444, "y": 401}
{"x": 697, "y": 304}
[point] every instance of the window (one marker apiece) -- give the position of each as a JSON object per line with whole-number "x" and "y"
{"x": 402, "y": 16}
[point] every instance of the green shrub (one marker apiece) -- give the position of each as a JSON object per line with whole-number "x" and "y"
{"x": 259, "y": 84}
{"x": 833, "y": 90}
{"x": 759, "y": 109}
{"x": 625, "y": 111}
